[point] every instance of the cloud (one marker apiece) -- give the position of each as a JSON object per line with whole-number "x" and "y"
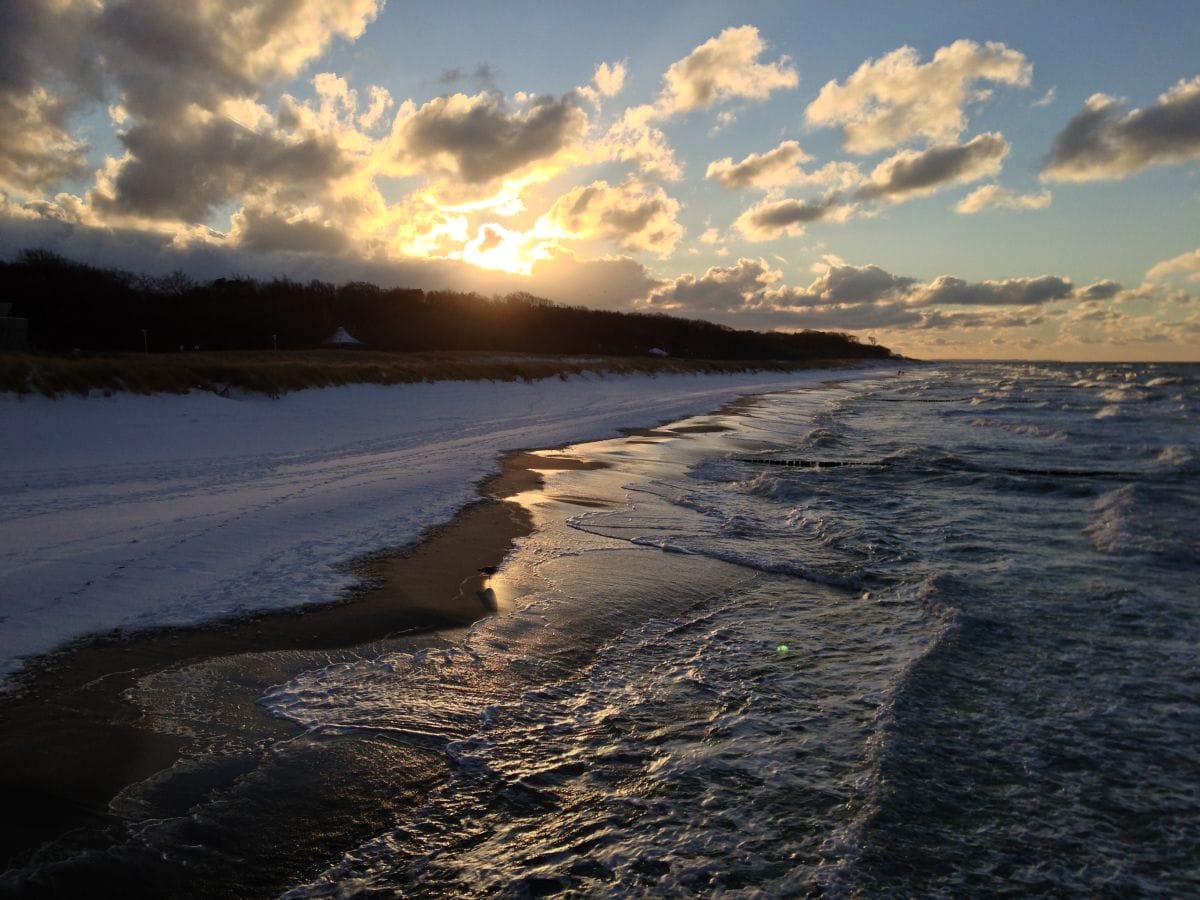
{"x": 769, "y": 169}
{"x": 609, "y": 79}
{"x": 723, "y": 68}
{"x": 842, "y": 283}
{"x": 721, "y": 289}
{"x": 636, "y": 216}
{"x": 946, "y": 290}
{"x": 613, "y": 282}
{"x": 181, "y": 173}
{"x": 778, "y": 168}
{"x": 849, "y": 297}
{"x": 896, "y": 99}
{"x": 167, "y": 55}
{"x": 726, "y": 67}
{"x": 36, "y": 149}
{"x": 1101, "y": 290}
{"x": 632, "y": 138}
{"x": 1102, "y": 142}
{"x": 992, "y": 196}
{"x": 45, "y": 76}
{"x": 481, "y": 78}
{"x": 1186, "y": 263}
{"x": 1046, "y": 99}
{"x": 772, "y": 219}
{"x": 259, "y": 229}
{"x": 181, "y": 74}
{"x": 916, "y": 174}
{"x": 479, "y": 139}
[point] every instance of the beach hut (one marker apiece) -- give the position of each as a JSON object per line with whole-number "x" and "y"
{"x": 14, "y": 331}
{"x": 343, "y": 340}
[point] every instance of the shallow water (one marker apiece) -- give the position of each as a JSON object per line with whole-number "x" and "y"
{"x": 924, "y": 635}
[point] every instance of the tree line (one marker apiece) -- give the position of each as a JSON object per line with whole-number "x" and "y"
{"x": 74, "y": 306}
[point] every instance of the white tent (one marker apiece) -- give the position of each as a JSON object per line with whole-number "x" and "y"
{"x": 342, "y": 338}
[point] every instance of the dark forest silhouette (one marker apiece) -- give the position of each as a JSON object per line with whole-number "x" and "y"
{"x": 70, "y": 305}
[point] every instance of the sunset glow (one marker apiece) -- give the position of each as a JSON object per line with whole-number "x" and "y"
{"x": 956, "y": 181}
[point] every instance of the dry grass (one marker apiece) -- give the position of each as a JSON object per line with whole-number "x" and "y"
{"x": 276, "y": 373}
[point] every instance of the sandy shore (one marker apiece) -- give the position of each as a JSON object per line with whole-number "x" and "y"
{"x": 69, "y": 742}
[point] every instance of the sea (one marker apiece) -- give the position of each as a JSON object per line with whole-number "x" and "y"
{"x": 928, "y": 632}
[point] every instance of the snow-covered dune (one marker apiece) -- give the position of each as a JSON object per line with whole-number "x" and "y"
{"x": 130, "y": 512}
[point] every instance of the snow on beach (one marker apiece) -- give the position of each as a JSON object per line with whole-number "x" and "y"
{"x": 133, "y": 512}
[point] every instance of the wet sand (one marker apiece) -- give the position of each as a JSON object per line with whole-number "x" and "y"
{"x": 69, "y": 742}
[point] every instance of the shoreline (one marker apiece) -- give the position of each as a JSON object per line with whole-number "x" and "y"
{"x": 70, "y": 742}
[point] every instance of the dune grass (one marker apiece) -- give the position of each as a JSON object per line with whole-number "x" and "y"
{"x": 276, "y": 373}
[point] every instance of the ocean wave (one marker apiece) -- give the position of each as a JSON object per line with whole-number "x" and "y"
{"x": 1176, "y": 457}
{"x": 1138, "y": 519}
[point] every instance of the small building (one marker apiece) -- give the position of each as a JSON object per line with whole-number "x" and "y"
{"x": 14, "y": 332}
{"x": 342, "y": 340}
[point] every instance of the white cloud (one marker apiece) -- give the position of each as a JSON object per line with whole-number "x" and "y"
{"x": 1046, "y": 99}
{"x": 992, "y": 196}
{"x": 725, "y": 67}
{"x": 632, "y": 138}
{"x": 1187, "y": 264}
{"x": 897, "y": 99}
{"x": 609, "y": 79}
{"x": 636, "y": 216}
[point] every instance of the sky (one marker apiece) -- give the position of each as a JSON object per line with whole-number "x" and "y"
{"x": 960, "y": 179}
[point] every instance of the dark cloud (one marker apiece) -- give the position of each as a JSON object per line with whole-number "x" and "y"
{"x": 264, "y": 230}
{"x": 183, "y": 172}
{"x": 47, "y": 72}
{"x": 40, "y": 44}
{"x": 165, "y": 54}
{"x": 485, "y": 139}
{"x": 790, "y": 212}
{"x": 1102, "y": 141}
{"x": 858, "y": 284}
{"x": 481, "y": 78}
{"x": 773, "y": 218}
{"x": 913, "y": 173}
{"x": 1101, "y": 290}
{"x": 946, "y": 290}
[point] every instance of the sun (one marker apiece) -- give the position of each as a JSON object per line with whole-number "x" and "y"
{"x": 499, "y": 248}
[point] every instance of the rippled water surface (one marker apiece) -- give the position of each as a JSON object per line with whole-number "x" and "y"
{"x": 916, "y": 635}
